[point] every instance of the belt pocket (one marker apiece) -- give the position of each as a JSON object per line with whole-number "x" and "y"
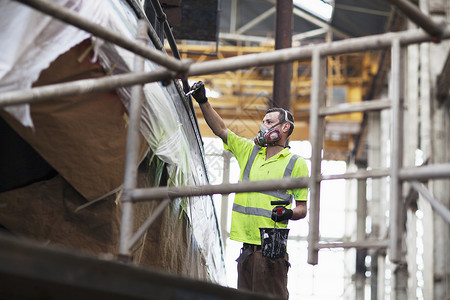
{"x": 245, "y": 252}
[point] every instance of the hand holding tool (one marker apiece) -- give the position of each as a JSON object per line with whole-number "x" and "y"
{"x": 281, "y": 213}
{"x": 198, "y": 92}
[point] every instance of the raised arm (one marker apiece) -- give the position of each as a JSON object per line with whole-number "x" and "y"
{"x": 213, "y": 119}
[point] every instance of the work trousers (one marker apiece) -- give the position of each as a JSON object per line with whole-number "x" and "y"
{"x": 263, "y": 275}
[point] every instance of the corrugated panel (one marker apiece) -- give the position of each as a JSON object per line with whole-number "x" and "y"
{"x": 361, "y": 17}
{"x": 199, "y": 20}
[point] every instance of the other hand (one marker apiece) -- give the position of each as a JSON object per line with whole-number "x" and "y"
{"x": 281, "y": 213}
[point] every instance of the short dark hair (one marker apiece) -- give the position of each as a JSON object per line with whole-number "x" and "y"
{"x": 282, "y": 118}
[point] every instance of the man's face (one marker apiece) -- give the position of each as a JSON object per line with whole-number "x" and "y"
{"x": 271, "y": 119}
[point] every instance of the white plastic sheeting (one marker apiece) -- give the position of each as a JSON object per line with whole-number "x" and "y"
{"x": 29, "y": 47}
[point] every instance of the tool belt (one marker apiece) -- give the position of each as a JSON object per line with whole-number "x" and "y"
{"x": 246, "y": 251}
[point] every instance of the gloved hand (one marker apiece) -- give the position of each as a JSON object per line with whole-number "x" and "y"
{"x": 281, "y": 213}
{"x": 199, "y": 92}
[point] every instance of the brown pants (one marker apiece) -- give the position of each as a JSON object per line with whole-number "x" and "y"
{"x": 264, "y": 275}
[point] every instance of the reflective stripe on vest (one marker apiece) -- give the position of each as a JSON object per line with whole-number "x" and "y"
{"x": 254, "y": 211}
{"x": 287, "y": 173}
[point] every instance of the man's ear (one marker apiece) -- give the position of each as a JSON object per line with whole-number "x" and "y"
{"x": 286, "y": 126}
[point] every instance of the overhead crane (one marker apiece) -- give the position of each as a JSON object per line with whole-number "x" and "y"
{"x": 241, "y": 97}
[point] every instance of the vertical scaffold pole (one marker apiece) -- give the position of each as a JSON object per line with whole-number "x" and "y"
{"x": 397, "y": 211}
{"x": 395, "y": 215}
{"x": 132, "y": 150}
{"x": 316, "y": 132}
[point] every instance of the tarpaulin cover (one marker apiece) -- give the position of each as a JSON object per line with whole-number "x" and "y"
{"x": 80, "y": 136}
{"x": 83, "y": 139}
{"x": 30, "y": 41}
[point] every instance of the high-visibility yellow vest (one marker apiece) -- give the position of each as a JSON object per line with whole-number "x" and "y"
{"x": 254, "y": 210}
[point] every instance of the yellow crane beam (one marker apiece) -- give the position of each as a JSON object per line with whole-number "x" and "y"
{"x": 241, "y": 97}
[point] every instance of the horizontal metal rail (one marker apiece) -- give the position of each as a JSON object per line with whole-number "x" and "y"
{"x": 84, "y": 86}
{"x": 374, "y": 42}
{"x": 346, "y": 108}
{"x": 434, "y": 171}
{"x": 361, "y": 174}
{"x": 70, "y": 17}
{"x": 355, "y": 244}
{"x": 73, "y": 88}
{"x": 410, "y": 173}
{"x": 159, "y": 193}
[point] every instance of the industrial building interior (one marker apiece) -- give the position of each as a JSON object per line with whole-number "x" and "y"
{"x": 360, "y": 139}
{"x": 368, "y": 85}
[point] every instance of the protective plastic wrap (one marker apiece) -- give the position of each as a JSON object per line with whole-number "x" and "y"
{"x": 30, "y": 41}
{"x": 186, "y": 239}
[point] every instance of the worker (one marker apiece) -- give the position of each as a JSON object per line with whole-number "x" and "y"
{"x": 267, "y": 157}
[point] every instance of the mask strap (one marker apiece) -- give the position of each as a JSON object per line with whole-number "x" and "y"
{"x": 286, "y": 119}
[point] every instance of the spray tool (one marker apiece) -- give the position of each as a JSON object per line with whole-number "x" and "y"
{"x": 274, "y": 240}
{"x": 191, "y": 91}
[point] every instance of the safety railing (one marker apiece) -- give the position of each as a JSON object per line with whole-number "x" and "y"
{"x": 172, "y": 68}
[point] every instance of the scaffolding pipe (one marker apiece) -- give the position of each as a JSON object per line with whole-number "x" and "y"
{"x": 132, "y": 150}
{"x": 316, "y": 136}
{"x": 435, "y": 171}
{"x": 152, "y": 218}
{"x": 66, "y": 15}
{"x": 436, "y": 204}
{"x": 361, "y": 174}
{"x": 362, "y": 244}
{"x": 159, "y": 193}
{"x": 84, "y": 86}
{"x": 396, "y": 209}
{"x": 317, "y": 53}
{"x": 346, "y": 108}
{"x": 361, "y": 252}
{"x": 216, "y": 66}
{"x": 361, "y": 44}
{"x": 419, "y": 18}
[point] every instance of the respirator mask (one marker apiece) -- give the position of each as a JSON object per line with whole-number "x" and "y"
{"x": 268, "y": 136}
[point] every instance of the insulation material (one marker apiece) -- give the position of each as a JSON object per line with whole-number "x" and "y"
{"x": 48, "y": 212}
{"x": 30, "y": 41}
{"x": 83, "y": 137}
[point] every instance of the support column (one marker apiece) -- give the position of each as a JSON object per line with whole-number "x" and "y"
{"x": 283, "y": 39}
